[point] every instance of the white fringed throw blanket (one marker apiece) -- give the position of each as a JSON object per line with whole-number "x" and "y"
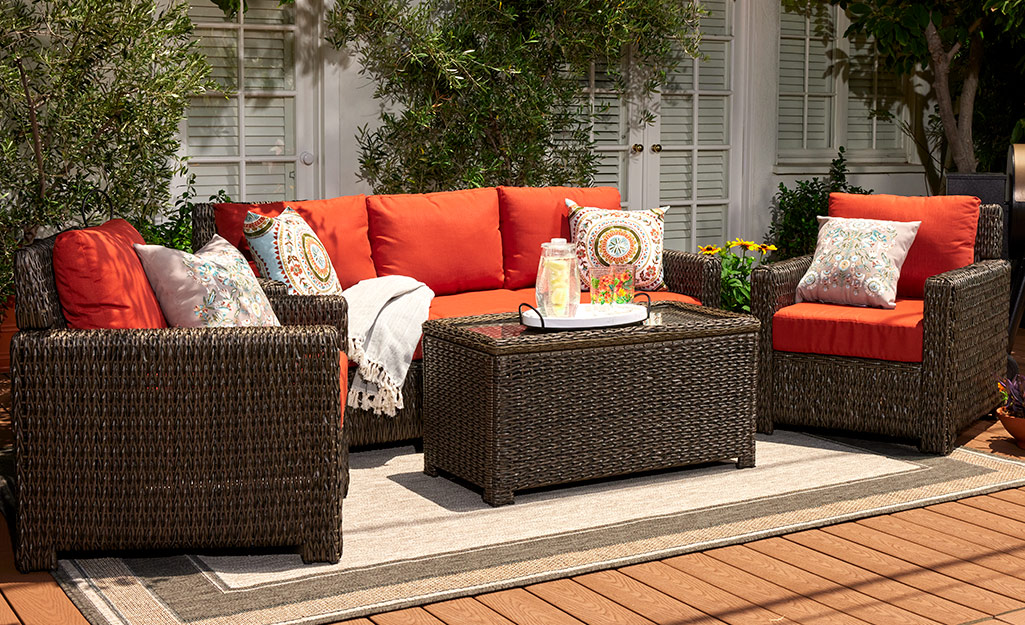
{"x": 385, "y": 319}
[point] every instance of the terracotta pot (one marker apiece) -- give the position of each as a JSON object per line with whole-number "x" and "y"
{"x": 1015, "y": 426}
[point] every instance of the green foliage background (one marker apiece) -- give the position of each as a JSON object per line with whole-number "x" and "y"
{"x": 479, "y": 93}
{"x": 794, "y": 228}
{"x": 108, "y": 84}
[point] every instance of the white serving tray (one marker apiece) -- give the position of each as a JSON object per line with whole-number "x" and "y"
{"x": 588, "y": 316}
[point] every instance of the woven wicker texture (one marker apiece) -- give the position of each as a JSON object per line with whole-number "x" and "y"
{"x": 175, "y": 438}
{"x": 507, "y": 408}
{"x": 964, "y": 352}
{"x": 690, "y": 274}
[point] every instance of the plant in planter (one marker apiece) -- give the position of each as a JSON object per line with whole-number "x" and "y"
{"x": 91, "y": 95}
{"x": 1012, "y": 411}
{"x": 736, "y": 271}
{"x": 486, "y": 93}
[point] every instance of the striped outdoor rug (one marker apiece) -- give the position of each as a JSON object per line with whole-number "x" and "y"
{"x": 411, "y": 539}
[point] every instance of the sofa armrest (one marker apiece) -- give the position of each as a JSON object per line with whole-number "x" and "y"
{"x": 143, "y": 419}
{"x": 964, "y": 346}
{"x": 272, "y": 287}
{"x": 697, "y": 275}
{"x": 312, "y": 310}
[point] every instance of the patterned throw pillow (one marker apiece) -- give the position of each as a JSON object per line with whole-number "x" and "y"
{"x": 287, "y": 250}
{"x": 857, "y": 262}
{"x": 618, "y": 237}
{"x": 212, "y": 288}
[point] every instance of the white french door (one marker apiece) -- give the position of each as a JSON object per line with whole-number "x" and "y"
{"x": 682, "y": 157}
{"x": 257, "y": 139}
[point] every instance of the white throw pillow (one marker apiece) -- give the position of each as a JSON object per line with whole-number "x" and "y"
{"x": 618, "y": 237}
{"x": 857, "y": 262}
{"x": 213, "y": 287}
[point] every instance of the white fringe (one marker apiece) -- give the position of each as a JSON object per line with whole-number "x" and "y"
{"x": 379, "y": 392}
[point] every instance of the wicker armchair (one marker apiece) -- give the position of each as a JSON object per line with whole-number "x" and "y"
{"x": 174, "y": 438}
{"x": 964, "y": 352}
{"x": 691, "y": 274}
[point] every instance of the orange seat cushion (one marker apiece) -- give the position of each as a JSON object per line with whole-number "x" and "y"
{"x": 100, "y": 280}
{"x": 531, "y": 216}
{"x": 831, "y": 329}
{"x": 340, "y": 223}
{"x": 449, "y": 241}
{"x": 945, "y": 240}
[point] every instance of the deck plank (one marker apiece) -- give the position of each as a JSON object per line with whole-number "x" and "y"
{"x": 996, "y": 522}
{"x": 7, "y": 615}
{"x": 983, "y": 601}
{"x": 523, "y": 608}
{"x": 645, "y": 600}
{"x": 965, "y": 529}
{"x": 709, "y": 599}
{"x": 409, "y": 616}
{"x": 840, "y": 573}
{"x": 770, "y": 596}
{"x": 850, "y": 601}
{"x": 466, "y": 611}
{"x": 585, "y": 604}
{"x": 968, "y": 572}
{"x": 952, "y": 545}
{"x": 35, "y": 597}
{"x": 1001, "y": 507}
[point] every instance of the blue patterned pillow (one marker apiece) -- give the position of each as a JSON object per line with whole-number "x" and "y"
{"x": 286, "y": 249}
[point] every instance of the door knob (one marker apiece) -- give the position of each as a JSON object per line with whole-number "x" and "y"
{"x": 307, "y": 158}
{"x": 637, "y": 148}
{"x": 656, "y": 148}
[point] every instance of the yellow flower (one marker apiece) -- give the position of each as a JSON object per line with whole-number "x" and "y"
{"x": 765, "y": 249}
{"x": 709, "y": 249}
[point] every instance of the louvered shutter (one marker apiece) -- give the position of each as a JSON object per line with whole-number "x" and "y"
{"x": 245, "y": 143}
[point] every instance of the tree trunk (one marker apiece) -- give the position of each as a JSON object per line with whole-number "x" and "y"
{"x": 959, "y": 136}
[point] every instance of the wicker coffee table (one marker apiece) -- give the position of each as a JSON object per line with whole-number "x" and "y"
{"x": 508, "y": 408}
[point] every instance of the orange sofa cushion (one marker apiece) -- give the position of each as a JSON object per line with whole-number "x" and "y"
{"x": 100, "y": 280}
{"x": 531, "y": 216}
{"x": 340, "y": 223}
{"x": 831, "y": 329}
{"x": 449, "y": 241}
{"x": 945, "y": 240}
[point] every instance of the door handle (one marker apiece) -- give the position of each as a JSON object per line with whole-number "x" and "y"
{"x": 307, "y": 158}
{"x": 656, "y": 148}
{"x": 637, "y": 148}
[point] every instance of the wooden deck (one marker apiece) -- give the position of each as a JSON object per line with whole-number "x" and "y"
{"x": 955, "y": 563}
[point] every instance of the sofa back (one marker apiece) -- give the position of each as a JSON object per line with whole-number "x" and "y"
{"x": 453, "y": 241}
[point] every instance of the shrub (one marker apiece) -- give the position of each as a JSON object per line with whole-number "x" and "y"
{"x": 794, "y": 228}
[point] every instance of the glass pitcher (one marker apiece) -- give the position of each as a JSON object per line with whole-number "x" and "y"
{"x": 558, "y": 280}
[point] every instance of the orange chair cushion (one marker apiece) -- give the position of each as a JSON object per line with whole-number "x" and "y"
{"x": 340, "y": 223}
{"x": 449, "y": 241}
{"x": 831, "y": 329}
{"x": 945, "y": 240}
{"x": 100, "y": 280}
{"x": 531, "y": 216}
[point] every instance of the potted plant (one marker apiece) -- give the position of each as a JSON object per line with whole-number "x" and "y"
{"x": 1012, "y": 411}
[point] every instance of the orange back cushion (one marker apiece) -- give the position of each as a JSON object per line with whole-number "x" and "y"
{"x": 100, "y": 279}
{"x": 449, "y": 241}
{"x": 340, "y": 223}
{"x": 531, "y": 216}
{"x": 945, "y": 240}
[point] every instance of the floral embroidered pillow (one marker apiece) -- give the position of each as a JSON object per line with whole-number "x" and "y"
{"x": 857, "y": 262}
{"x": 211, "y": 288}
{"x": 618, "y": 237}
{"x": 287, "y": 250}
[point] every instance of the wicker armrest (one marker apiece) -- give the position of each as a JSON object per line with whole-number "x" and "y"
{"x": 774, "y": 286}
{"x": 312, "y": 310}
{"x": 964, "y": 345}
{"x": 272, "y": 287}
{"x": 177, "y": 438}
{"x": 697, "y": 275}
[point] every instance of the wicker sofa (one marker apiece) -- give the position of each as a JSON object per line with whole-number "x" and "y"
{"x": 168, "y": 438}
{"x": 525, "y": 217}
{"x": 964, "y": 345}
